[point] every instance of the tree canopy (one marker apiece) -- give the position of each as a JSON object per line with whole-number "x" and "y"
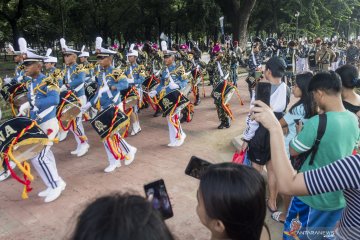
{"x": 44, "y": 22}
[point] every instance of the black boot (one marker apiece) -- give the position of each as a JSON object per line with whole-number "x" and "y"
{"x": 227, "y": 123}
{"x": 157, "y": 113}
{"x": 197, "y": 102}
{"x": 222, "y": 125}
{"x": 183, "y": 118}
{"x": 144, "y": 105}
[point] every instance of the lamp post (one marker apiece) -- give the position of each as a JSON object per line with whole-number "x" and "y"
{"x": 297, "y": 14}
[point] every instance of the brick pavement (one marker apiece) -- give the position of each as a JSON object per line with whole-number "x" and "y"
{"x": 33, "y": 219}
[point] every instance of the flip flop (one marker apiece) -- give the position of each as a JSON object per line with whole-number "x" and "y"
{"x": 276, "y": 217}
{"x": 267, "y": 204}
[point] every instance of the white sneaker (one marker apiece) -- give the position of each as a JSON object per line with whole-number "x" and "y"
{"x": 131, "y": 156}
{"x": 62, "y": 135}
{"x": 180, "y": 142}
{"x": 53, "y": 194}
{"x": 83, "y": 149}
{"x": 112, "y": 167}
{"x": 4, "y": 175}
{"x": 46, "y": 192}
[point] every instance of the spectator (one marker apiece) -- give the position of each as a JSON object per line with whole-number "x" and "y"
{"x": 256, "y": 137}
{"x": 121, "y": 217}
{"x": 350, "y": 80}
{"x": 302, "y": 110}
{"x": 352, "y": 54}
{"x": 340, "y": 175}
{"x": 231, "y": 202}
{"x": 340, "y": 137}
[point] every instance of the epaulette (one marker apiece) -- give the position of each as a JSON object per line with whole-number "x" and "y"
{"x": 80, "y": 68}
{"x": 117, "y": 74}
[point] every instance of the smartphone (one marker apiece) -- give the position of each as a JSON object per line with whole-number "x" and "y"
{"x": 196, "y": 167}
{"x": 263, "y": 92}
{"x": 156, "y": 192}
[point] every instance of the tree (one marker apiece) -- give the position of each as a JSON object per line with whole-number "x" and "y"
{"x": 238, "y": 13}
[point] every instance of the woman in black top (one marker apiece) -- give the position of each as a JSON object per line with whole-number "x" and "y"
{"x": 350, "y": 80}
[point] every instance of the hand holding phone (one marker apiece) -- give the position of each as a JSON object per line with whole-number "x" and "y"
{"x": 263, "y": 92}
{"x": 156, "y": 193}
{"x": 196, "y": 167}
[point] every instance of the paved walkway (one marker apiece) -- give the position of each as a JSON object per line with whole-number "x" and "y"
{"x": 33, "y": 219}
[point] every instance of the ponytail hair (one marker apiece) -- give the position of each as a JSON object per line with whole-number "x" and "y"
{"x": 349, "y": 76}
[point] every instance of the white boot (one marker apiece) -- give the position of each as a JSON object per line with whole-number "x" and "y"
{"x": 135, "y": 128}
{"x": 46, "y": 192}
{"x": 112, "y": 167}
{"x": 83, "y": 149}
{"x": 62, "y": 135}
{"x": 53, "y": 194}
{"x": 130, "y": 156}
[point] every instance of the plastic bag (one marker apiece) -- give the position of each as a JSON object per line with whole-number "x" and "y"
{"x": 239, "y": 157}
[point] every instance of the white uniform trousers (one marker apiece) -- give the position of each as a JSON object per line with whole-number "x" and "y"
{"x": 79, "y": 126}
{"x": 172, "y": 129}
{"x": 44, "y": 163}
{"x": 124, "y": 146}
{"x": 301, "y": 65}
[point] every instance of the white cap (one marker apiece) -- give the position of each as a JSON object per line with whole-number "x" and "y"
{"x": 133, "y": 53}
{"x": 51, "y": 60}
{"x": 84, "y": 54}
{"x": 100, "y": 51}
{"x": 65, "y": 49}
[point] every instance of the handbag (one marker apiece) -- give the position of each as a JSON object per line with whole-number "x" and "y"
{"x": 298, "y": 161}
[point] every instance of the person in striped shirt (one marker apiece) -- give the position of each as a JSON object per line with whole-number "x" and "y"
{"x": 343, "y": 174}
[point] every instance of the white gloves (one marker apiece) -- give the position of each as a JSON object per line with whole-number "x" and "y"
{"x": 152, "y": 93}
{"x": 85, "y": 107}
{"x": 35, "y": 109}
{"x": 173, "y": 85}
{"x": 23, "y": 108}
{"x": 130, "y": 80}
{"x": 104, "y": 89}
{"x": 63, "y": 88}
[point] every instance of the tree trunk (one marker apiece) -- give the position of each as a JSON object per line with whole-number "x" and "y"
{"x": 15, "y": 34}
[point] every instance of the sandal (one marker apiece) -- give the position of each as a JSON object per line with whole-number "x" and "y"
{"x": 276, "y": 217}
{"x": 267, "y": 204}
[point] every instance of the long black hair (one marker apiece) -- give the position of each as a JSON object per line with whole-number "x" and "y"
{"x": 307, "y": 99}
{"x": 235, "y": 195}
{"x": 121, "y": 217}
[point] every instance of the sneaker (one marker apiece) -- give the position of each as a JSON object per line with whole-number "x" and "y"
{"x": 180, "y": 141}
{"x": 131, "y": 156}
{"x": 112, "y": 167}
{"x": 83, "y": 149}
{"x": 4, "y": 175}
{"x": 62, "y": 135}
{"x": 172, "y": 144}
{"x": 53, "y": 194}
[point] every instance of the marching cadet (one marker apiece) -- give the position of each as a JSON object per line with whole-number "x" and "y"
{"x": 83, "y": 58}
{"x": 220, "y": 69}
{"x": 49, "y": 63}
{"x": 43, "y": 96}
{"x": 135, "y": 74}
{"x": 352, "y": 53}
{"x": 333, "y": 58}
{"x": 323, "y": 58}
{"x": 20, "y": 68}
{"x": 302, "y": 57}
{"x": 109, "y": 94}
{"x": 171, "y": 79}
{"x": 74, "y": 80}
{"x": 254, "y": 67}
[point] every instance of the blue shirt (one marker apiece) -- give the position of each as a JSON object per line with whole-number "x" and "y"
{"x": 75, "y": 79}
{"x": 134, "y": 71}
{"x": 115, "y": 86}
{"x": 177, "y": 78}
{"x": 46, "y": 96}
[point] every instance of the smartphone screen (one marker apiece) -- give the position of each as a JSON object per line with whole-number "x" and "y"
{"x": 156, "y": 192}
{"x": 263, "y": 92}
{"x": 196, "y": 167}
